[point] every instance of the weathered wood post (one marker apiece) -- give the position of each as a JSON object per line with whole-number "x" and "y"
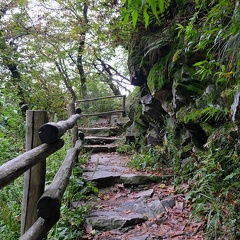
{"x": 71, "y": 111}
{"x": 124, "y": 106}
{"x": 34, "y": 178}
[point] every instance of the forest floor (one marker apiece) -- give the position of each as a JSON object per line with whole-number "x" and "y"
{"x": 172, "y": 222}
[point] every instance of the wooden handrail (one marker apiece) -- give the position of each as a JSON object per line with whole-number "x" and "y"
{"x": 123, "y": 111}
{"x": 99, "y": 98}
{"x": 14, "y": 168}
{"x": 40, "y": 228}
{"x": 50, "y": 134}
{"x": 101, "y": 113}
{"x": 50, "y": 202}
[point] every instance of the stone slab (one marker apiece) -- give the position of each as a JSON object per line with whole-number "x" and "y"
{"x": 103, "y": 220}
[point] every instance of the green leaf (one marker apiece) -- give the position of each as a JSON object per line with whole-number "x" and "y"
{"x": 161, "y": 5}
{"x": 125, "y": 19}
{"x": 134, "y": 17}
{"x": 199, "y": 63}
{"x": 154, "y": 8}
{"x": 146, "y": 17}
{"x": 179, "y": 26}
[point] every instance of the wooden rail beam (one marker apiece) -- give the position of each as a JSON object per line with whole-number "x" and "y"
{"x": 50, "y": 132}
{"x": 40, "y": 228}
{"x": 14, "y": 168}
{"x": 99, "y": 98}
{"x": 50, "y": 202}
{"x": 101, "y": 113}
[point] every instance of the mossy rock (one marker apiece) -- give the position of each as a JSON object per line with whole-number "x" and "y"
{"x": 156, "y": 78}
{"x": 136, "y": 130}
{"x": 187, "y": 83}
{"x": 207, "y": 128}
{"x": 189, "y": 90}
{"x": 182, "y": 112}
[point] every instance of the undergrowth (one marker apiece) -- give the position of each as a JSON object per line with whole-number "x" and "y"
{"x": 212, "y": 177}
{"x": 145, "y": 157}
{"x": 214, "y": 186}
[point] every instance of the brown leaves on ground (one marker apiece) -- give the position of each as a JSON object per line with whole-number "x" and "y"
{"x": 175, "y": 223}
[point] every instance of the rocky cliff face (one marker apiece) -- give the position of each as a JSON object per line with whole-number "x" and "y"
{"x": 178, "y": 87}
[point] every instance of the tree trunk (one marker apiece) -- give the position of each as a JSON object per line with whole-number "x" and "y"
{"x": 80, "y": 53}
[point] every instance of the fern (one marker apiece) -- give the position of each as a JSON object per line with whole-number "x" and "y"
{"x": 203, "y": 115}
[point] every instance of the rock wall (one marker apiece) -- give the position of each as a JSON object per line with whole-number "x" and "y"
{"x": 166, "y": 66}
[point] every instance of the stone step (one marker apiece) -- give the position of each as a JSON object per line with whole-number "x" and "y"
{"x": 107, "y": 170}
{"x": 92, "y": 140}
{"x": 102, "y": 131}
{"x": 142, "y": 208}
{"x": 100, "y": 148}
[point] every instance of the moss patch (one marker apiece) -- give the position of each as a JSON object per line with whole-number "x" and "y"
{"x": 156, "y": 78}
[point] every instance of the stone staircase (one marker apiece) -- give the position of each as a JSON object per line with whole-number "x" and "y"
{"x": 102, "y": 139}
{"x": 130, "y": 204}
{"x": 126, "y": 197}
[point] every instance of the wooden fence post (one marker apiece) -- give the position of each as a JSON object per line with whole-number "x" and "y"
{"x": 71, "y": 111}
{"x": 124, "y": 106}
{"x": 34, "y": 178}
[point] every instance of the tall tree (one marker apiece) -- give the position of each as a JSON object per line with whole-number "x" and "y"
{"x": 8, "y": 55}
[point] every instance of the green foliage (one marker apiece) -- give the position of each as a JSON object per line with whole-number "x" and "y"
{"x": 149, "y": 9}
{"x": 206, "y": 43}
{"x": 207, "y": 114}
{"x": 71, "y": 223}
{"x": 152, "y": 158}
{"x": 127, "y": 148}
{"x": 215, "y": 185}
{"x": 12, "y": 129}
{"x": 143, "y": 162}
{"x": 10, "y": 210}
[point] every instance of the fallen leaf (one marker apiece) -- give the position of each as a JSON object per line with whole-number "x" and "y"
{"x": 89, "y": 228}
{"x": 86, "y": 237}
{"x": 181, "y": 228}
{"x": 179, "y": 205}
{"x": 160, "y": 215}
{"x": 120, "y": 187}
{"x": 106, "y": 197}
{"x": 176, "y": 234}
{"x": 162, "y": 186}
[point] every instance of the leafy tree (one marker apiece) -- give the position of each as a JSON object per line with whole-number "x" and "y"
{"x": 9, "y": 55}
{"x": 61, "y": 45}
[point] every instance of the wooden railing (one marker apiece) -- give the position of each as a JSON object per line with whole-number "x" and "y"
{"x": 41, "y": 210}
{"x": 122, "y": 110}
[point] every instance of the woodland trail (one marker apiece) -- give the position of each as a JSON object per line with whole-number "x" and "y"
{"x": 132, "y": 205}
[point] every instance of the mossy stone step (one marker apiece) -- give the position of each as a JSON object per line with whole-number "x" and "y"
{"x": 101, "y": 148}
{"x": 102, "y": 140}
{"x": 102, "y": 131}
